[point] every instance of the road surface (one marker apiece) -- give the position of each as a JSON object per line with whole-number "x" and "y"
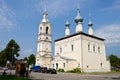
{"x": 72, "y": 76}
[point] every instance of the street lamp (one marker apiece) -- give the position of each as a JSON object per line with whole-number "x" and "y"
{"x": 12, "y": 59}
{"x": 12, "y": 55}
{"x": 8, "y": 65}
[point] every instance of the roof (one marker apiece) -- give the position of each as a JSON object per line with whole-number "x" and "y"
{"x": 80, "y": 33}
{"x": 66, "y": 58}
{"x": 47, "y": 55}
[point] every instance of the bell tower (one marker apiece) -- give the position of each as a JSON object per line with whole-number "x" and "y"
{"x": 44, "y": 44}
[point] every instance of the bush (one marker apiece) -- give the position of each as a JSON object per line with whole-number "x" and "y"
{"x": 60, "y": 70}
{"x": 75, "y": 70}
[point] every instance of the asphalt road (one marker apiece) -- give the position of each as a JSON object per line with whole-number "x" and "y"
{"x": 71, "y": 76}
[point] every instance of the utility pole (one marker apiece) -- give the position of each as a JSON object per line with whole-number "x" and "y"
{"x": 12, "y": 59}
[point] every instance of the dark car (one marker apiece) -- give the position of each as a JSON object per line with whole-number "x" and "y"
{"x": 52, "y": 71}
{"x": 43, "y": 70}
{"x": 115, "y": 68}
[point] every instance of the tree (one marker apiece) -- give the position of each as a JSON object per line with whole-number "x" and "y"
{"x": 30, "y": 60}
{"x": 114, "y": 60}
{"x": 25, "y": 59}
{"x": 10, "y": 52}
{"x": 2, "y": 58}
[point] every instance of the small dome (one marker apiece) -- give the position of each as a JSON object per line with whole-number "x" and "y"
{"x": 78, "y": 17}
{"x": 90, "y": 23}
{"x": 67, "y": 23}
{"x": 45, "y": 19}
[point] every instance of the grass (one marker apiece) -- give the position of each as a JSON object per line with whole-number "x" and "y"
{"x": 98, "y": 73}
{"x": 12, "y": 77}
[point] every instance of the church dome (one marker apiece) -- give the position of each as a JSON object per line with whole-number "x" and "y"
{"x": 90, "y": 23}
{"x": 67, "y": 23}
{"x": 78, "y": 17}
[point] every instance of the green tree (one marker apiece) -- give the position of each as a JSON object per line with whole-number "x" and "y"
{"x": 30, "y": 60}
{"x": 25, "y": 59}
{"x": 2, "y": 58}
{"x": 10, "y": 52}
{"x": 114, "y": 60}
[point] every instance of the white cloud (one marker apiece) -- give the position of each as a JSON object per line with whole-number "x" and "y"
{"x": 6, "y": 16}
{"x": 59, "y": 7}
{"x": 25, "y": 53}
{"x": 114, "y": 7}
{"x": 111, "y": 33}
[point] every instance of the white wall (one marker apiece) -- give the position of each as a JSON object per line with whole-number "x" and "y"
{"x": 89, "y": 60}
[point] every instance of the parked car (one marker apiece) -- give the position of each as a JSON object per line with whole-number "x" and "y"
{"x": 4, "y": 68}
{"x": 52, "y": 71}
{"x": 115, "y": 68}
{"x": 1, "y": 68}
{"x": 43, "y": 70}
{"x": 36, "y": 68}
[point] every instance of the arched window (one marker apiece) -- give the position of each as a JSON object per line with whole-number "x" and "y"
{"x": 63, "y": 65}
{"x": 99, "y": 49}
{"x": 101, "y": 64}
{"x": 40, "y": 29}
{"x": 72, "y": 47}
{"x": 46, "y": 38}
{"x": 46, "y": 30}
{"x": 60, "y": 50}
{"x": 56, "y": 65}
{"x": 94, "y": 48}
{"x": 88, "y": 47}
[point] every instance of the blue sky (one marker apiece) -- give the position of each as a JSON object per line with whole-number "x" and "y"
{"x": 19, "y": 20}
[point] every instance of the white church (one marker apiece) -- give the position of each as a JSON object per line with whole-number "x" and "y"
{"x": 79, "y": 50}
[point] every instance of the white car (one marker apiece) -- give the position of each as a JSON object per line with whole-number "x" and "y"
{"x": 4, "y": 68}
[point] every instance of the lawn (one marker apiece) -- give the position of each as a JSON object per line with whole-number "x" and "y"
{"x": 12, "y": 77}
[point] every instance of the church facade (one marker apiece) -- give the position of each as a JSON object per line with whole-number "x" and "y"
{"x": 79, "y": 50}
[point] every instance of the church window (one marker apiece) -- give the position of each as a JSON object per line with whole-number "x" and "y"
{"x": 88, "y": 47}
{"x": 98, "y": 49}
{"x": 37, "y": 59}
{"x": 94, "y": 48}
{"x": 60, "y": 50}
{"x": 101, "y": 64}
{"x": 46, "y": 38}
{"x": 72, "y": 47}
{"x": 53, "y": 65}
{"x": 56, "y": 65}
{"x": 40, "y": 29}
{"x": 87, "y": 66}
{"x": 63, "y": 65}
{"x": 46, "y": 30}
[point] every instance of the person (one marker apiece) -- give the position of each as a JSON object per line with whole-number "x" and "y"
{"x": 22, "y": 70}
{"x": 4, "y": 73}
